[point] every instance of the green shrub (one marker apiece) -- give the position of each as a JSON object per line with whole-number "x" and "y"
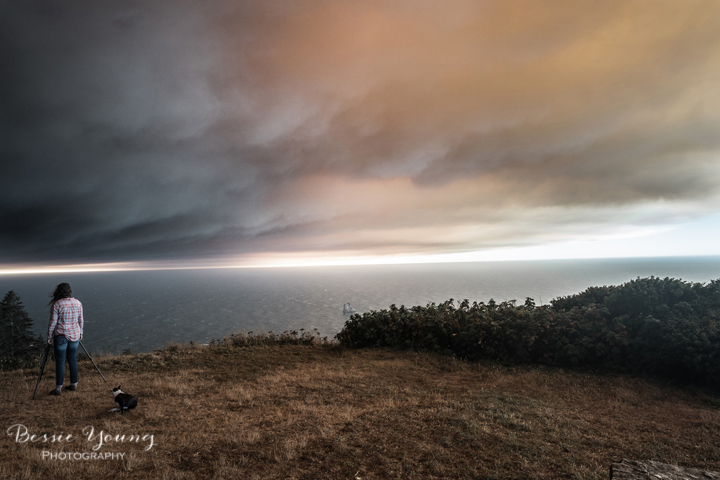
{"x": 660, "y": 326}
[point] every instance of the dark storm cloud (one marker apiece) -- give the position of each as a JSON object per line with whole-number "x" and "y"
{"x": 105, "y": 118}
{"x": 151, "y": 130}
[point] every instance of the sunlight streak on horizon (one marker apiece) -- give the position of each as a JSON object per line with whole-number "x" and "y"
{"x": 610, "y": 248}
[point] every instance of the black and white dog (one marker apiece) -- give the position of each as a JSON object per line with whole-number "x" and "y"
{"x": 124, "y": 401}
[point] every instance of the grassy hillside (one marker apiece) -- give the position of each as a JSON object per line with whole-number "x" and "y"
{"x": 293, "y": 411}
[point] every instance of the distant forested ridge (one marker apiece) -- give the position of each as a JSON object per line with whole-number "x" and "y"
{"x": 662, "y": 326}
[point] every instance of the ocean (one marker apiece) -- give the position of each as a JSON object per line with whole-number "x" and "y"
{"x": 144, "y": 310}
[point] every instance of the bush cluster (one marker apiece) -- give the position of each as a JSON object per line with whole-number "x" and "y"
{"x": 288, "y": 337}
{"x": 660, "y": 326}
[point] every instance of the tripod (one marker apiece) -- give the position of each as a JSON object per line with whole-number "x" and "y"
{"x": 42, "y": 367}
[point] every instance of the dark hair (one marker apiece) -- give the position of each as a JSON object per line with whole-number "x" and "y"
{"x": 61, "y": 291}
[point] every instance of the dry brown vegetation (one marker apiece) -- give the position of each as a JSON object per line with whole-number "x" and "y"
{"x": 320, "y": 412}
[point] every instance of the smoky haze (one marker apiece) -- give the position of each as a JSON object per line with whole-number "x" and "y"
{"x": 136, "y": 131}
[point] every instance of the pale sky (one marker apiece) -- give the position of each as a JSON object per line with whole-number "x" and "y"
{"x": 253, "y": 133}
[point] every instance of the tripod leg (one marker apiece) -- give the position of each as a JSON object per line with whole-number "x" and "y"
{"x": 93, "y": 362}
{"x": 42, "y": 368}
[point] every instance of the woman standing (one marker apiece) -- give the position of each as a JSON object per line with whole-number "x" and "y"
{"x": 64, "y": 332}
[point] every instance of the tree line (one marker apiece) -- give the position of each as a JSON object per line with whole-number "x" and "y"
{"x": 661, "y": 326}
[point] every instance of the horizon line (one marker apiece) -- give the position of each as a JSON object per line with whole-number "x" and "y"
{"x": 337, "y": 262}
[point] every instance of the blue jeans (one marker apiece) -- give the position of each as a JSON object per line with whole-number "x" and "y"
{"x": 63, "y": 346}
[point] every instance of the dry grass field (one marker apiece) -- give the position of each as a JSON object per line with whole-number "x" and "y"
{"x": 320, "y": 412}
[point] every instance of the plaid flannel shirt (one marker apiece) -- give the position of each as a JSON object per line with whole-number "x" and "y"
{"x": 66, "y": 319}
